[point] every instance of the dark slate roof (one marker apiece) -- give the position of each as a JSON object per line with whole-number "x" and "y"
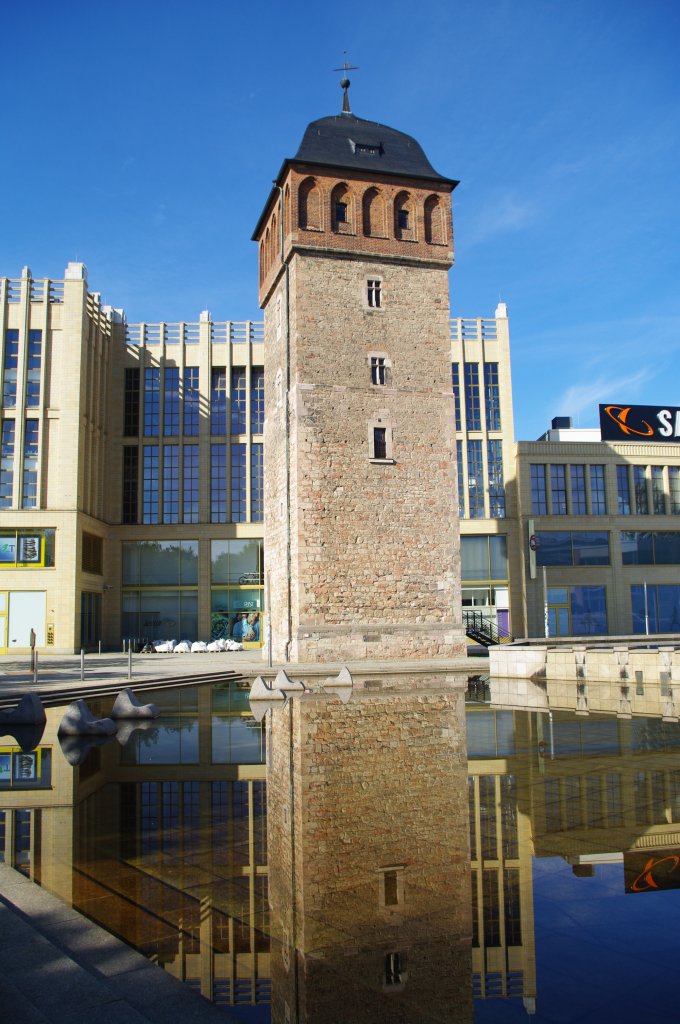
{"x": 348, "y": 141}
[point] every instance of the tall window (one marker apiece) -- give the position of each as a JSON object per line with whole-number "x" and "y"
{"x": 496, "y": 488}
{"x": 623, "y": 489}
{"x": 455, "y": 381}
{"x": 152, "y": 394}
{"x": 379, "y": 443}
{"x": 238, "y": 400}
{"x": 373, "y": 292}
{"x": 191, "y": 401}
{"x": 131, "y": 402}
{"x": 130, "y": 483}
{"x": 29, "y": 496}
{"x": 378, "y": 370}
{"x": 558, "y": 490}
{"x": 598, "y": 497}
{"x": 492, "y": 396}
{"x": 674, "y": 489}
{"x": 256, "y": 484}
{"x": 150, "y": 484}
{"x": 218, "y": 483}
{"x": 171, "y": 401}
{"x": 171, "y": 483}
{"x": 7, "y": 463}
{"x": 238, "y": 483}
{"x": 658, "y": 491}
{"x": 475, "y": 468}
{"x": 33, "y": 369}
{"x": 257, "y": 399}
{"x": 11, "y": 361}
{"x": 461, "y": 480}
{"x": 640, "y": 484}
{"x": 473, "y": 418}
{"x": 218, "y": 401}
{"x": 539, "y": 503}
{"x": 578, "y": 490}
{"x": 190, "y": 505}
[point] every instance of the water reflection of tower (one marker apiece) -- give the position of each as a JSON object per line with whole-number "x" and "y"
{"x": 369, "y": 859}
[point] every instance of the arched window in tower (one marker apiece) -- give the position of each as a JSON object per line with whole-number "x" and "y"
{"x": 404, "y": 217}
{"x": 435, "y": 232}
{"x": 342, "y": 209}
{"x": 275, "y": 238}
{"x": 373, "y": 209}
{"x": 262, "y": 271}
{"x": 267, "y": 252}
{"x": 309, "y": 205}
{"x": 286, "y": 211}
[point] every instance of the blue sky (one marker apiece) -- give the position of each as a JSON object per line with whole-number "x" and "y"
{"x": 141, "y": 138}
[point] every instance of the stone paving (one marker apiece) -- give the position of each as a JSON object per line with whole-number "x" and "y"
{"x": 56, "y": 967}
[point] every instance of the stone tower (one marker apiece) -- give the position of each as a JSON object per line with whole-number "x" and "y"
{"x": 361, "y": 529}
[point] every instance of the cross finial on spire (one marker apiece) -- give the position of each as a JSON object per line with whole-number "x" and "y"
{"x": 345, "y": 83}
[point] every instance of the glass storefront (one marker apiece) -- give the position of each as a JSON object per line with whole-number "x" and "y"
{"x": 236, "y": 593}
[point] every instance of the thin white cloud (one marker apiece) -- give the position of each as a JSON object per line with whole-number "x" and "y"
{"x": 586, "y": 396}
{"x": 506, "y": 214}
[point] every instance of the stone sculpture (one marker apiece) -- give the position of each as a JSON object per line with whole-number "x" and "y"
{"x": 78, "y": 720}
{"x": 127, "y": 706}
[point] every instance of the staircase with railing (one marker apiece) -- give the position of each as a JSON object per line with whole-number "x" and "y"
{"x": 483, "y": 630}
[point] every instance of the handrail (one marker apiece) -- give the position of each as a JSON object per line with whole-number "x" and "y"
{"x": 485, "y": 627}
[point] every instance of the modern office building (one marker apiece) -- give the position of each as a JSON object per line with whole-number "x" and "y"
{"x": 131, "y": 475}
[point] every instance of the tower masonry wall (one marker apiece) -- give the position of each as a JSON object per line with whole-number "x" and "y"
{"x": 374, "y": 541}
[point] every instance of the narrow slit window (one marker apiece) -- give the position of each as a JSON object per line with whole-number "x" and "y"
{"x": 341, "y": 213}
{"x": 379, "y": 443}
{"x": 374, "y": 293}
{"x": 378, "y": 370}
{"x": 391, "y": 889}
{"x": 395, "y": 969}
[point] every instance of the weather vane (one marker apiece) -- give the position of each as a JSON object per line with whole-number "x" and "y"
{"x": 344, "y": 83}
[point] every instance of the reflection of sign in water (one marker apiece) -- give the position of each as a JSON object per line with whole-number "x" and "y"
{"x": 645, "y": 873}
{"x": 29, "y": 548}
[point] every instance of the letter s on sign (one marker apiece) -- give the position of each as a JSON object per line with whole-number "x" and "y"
{"x": 665, "y": 424}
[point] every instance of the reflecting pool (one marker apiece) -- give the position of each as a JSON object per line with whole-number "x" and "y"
{"x": 451, "y": 852}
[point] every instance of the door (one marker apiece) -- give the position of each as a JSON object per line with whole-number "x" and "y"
{"x": 26, "y": 612}
{"x": 559, "y": 618}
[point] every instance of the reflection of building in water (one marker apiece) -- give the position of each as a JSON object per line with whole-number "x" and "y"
{"x": 368, "y": 854}
{"x": 163, "y": 841}
{"x": 503, "y": 954}
{"x": 554, "y": 784}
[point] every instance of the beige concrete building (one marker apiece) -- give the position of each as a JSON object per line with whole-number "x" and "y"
{"x": 131, "y": 474}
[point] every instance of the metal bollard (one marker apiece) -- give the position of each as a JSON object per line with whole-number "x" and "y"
{"x": 35, "y": 667}
{"x": 129, "y": 660}
{"x": 82, "y": 665}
